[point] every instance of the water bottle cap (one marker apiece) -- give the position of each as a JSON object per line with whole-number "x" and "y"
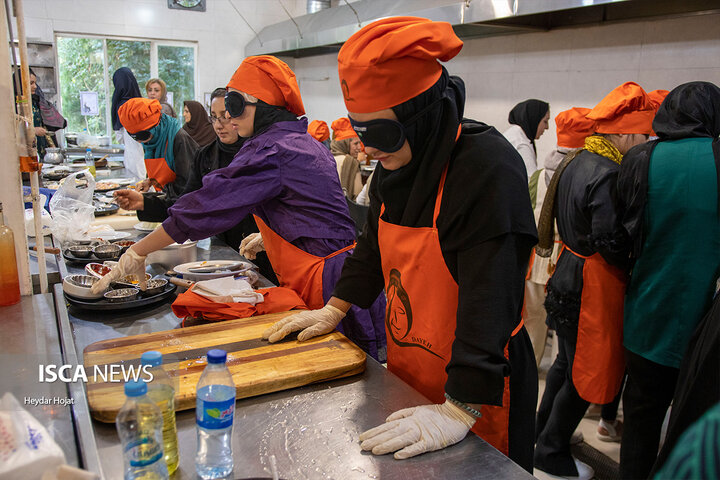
{"x": 216, "y": 356}
{"x": 135, "y": 388}
{"x": 152, "y": 358}
{"x": 88, "y": 149}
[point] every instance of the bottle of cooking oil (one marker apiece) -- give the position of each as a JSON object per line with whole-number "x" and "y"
{"x": 162, "y": 392}
{"x": 139, "y": 426}
{"x": 9, "y": 283}
{"x": 90, "y": 161}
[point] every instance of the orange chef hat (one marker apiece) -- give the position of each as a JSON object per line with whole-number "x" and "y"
{"x": 626, "y": 109}
{"x": 657, "y": 97}
{"x": 573, "y": 127}
{"x": 342, "y": 129}
{"x": 319, "y": 130}
{"x": 139, "y": 114}
{"x": 269, "y": 79}
{"x": 393, "y": 60}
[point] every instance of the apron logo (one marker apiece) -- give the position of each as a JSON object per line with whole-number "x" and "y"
{"x": 399, "y": 316}
{"x": 346, "y": 91}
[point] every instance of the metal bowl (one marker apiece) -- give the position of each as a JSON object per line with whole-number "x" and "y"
{"x": 80, "y": 251}
{"x": 125, "y": 244}
{"x": 122, "y": 295}
{"x": 107, "y": 250}
{"x": 130, "y": 281}
{"x": 79, "y": 286}
{"x": 155, "y": 286}
{"x": 174, "y": 254}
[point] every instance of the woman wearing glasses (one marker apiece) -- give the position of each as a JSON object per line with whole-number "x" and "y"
{"x": 289, "y": 182}
{"x": 218, "y": 154}
{"x": 448, "y": 236}
{"x": 169, "y": 150}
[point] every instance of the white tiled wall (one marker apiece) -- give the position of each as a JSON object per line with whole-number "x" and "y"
{"x": 220, "y": 33}
{"x": 565, "y": 67}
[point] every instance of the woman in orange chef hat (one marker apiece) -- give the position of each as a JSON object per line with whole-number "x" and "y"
{"x": 169, "y": 150}
{"x": 585, "y": 294}
{"x": 448, "y": 237}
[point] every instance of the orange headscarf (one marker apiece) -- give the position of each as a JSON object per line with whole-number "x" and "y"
{"x": 626, "y": 109}
{"x": 319, "y": 130}
{"x": 269, "y": 79}
{"x": 139, "y": 114}
{"x": 393, "y": 60}
{"x": 657, "y": 97}
{"x": 572, "y": 126}
{"x": 342, "y": 129}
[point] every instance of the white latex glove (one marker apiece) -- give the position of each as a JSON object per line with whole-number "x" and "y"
{"x": 251, "y": 246}
{"x": 311, "y": 322}
{"x": 130, "y": 263}
{"x": 417, "y": 430}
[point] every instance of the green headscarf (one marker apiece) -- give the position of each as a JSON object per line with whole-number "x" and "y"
{"x": 161, "y": 143}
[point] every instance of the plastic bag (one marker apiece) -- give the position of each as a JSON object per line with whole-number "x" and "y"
{"x": 72, "y": 207}
{"x": 26, "y": 447}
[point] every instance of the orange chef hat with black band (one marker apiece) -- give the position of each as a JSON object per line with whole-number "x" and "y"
{"x": 657, "y": 97}
{"x": 139, "y": 114}
{"x": 627, "y": 109}
{"x": 269, "y": 79}
{"x": 390, "y": 61}
{"x": 572, "y": 127}
{"x": 342, "y": 129}
{"x": 319, "y": 130}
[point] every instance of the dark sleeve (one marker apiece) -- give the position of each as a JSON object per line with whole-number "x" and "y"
{"x": 490, "y": 278}
{"x": 607, "y": 236}
{"x": 184, "y": 149}
{"x": 362, "y": 279}
{"x": 632, "y": 187}
{"x": 156, "y": 206}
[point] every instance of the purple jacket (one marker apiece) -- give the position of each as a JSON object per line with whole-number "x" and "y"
{"x": 286, "y": 178}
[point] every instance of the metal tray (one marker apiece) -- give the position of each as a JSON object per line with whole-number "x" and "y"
{"x": 69, "y": 257}
{"x": 103, "y": 304}
{"x": 109, "y": 210}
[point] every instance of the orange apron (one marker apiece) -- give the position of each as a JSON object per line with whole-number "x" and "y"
{"x": 420, "y": 319}
{"x": 599, "y": 362}
{"x": 295, "y": 268}
{"x": 158, "y": 169}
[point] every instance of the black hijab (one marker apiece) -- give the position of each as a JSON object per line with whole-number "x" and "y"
{"x": 408, "y": 190}
{"x": 126, "y": 87}
{"x": 689, "y": 110}
{"x": 265, "y": 117}
{"x": 527, "y": 115}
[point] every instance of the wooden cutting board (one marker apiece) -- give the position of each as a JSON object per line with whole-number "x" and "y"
{"x": 257, "y": 366}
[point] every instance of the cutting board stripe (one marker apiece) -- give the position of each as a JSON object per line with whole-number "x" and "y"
{"x": 176, "y": 334}
{"x": 198, "y": 368}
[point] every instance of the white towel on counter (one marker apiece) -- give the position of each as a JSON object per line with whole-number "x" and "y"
{"x": 228, "y": 290}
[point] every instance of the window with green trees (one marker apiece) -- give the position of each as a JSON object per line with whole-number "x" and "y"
{"x": 86, "y": 64}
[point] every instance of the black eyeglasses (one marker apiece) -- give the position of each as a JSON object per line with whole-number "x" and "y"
{"x": 141, "y": 136}
{"x": 222, "y": 119}
{"x": 384, "y": 134}
{"x": 235, "y": 104}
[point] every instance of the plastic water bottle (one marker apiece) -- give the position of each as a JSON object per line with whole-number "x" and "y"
{"x": 214, "y": 413}
{"x": 90, "y": 160}
{"x": 139, "y": 425}
{"x": 161, "y": 391}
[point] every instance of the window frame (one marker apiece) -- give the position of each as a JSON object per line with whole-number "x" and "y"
{"x": 154, "y": 44}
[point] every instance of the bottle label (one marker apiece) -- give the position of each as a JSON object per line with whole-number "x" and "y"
{"x": 215, "y": 414}
{"x": 143, "y": 452}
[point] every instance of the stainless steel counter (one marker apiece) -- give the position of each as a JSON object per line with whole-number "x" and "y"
{"x": 30, "y": 338}
{"x": 312, "y": 431}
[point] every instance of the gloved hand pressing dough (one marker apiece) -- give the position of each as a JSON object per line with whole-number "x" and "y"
{"x": 412, "y": 431}
{"x": 311, "y": 322}
{"x": 251, "y": 246}
{"x": 130, "y": 264}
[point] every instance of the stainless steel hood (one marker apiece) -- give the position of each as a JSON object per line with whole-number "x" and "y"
{"x": 326, "y": 30}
